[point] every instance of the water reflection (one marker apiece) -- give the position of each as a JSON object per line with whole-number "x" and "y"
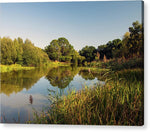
{"x": 23, "y": 91}
{"x": 14, "y": 82}
{"x": 90, "y": 75}
{"x": 61, "y": 76}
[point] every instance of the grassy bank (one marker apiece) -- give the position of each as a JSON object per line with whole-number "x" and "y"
{"x": 119, "y": 102}
{"x": 17, "y": 67}
{"x": 57, "y": 63}
{"x": 14, "y": 67}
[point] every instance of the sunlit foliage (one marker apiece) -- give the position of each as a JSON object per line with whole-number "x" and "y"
{"x": 15, "y": 51}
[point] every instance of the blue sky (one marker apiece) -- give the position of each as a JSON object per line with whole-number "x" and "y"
{"x": 82, "y": 23}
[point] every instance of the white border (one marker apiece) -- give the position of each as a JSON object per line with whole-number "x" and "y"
{"x": 74, "y": 128}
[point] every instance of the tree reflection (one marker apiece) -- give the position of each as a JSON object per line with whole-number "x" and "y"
{"x": 86, "y": 75}
{"x": 61, "y": 76}
{"x": 90, "y": 75}
{"x": 17, "y": 81}
{"x": 14, "y": 82}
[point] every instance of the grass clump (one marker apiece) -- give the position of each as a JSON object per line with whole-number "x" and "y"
{"x": 118, "y": 102}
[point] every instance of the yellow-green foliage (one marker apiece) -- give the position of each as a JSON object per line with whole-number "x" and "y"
{"x": 24, "y": 53}
{"x": 14, "y": 67}
{"x": 119, "y": 102}
{"x": 14, "y": 82}
{"x": 93, "y": 69}
{"x": 57, "y": 63}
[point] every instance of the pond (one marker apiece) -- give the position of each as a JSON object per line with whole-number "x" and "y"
{"x": 24, "y": 92}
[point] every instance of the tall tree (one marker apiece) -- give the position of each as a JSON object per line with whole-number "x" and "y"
{"x": 8, "y": 51}
{"x": 135, "y": 41}
{"x": 53, "y": 50}
{"x": 60, "y": 50}
{"x": 89, "y": 52}
{"x": 66, "y": 47}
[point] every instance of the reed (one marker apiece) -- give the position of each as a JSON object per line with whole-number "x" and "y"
{"x": 119, "y": 102}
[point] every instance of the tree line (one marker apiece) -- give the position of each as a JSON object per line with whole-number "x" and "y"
{"x": 25, "y": 53}
{"x": 132, "y": 44}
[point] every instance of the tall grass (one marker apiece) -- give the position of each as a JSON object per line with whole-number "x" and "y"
{"x": 119, "y": 102}
{"x": 119, "y": 63}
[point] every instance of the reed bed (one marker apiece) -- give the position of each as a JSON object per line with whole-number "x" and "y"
{"x": 119, "y": 102}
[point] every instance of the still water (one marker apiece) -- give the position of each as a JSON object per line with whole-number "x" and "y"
{"x": 24, "y": 92}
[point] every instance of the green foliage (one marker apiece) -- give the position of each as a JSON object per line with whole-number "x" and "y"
{"x": 33, "y": 56}
{"x": 111, "y": 50}
{"x": 13, "y": 67}
{"x": 53, "y": 50}
{"x": 66, "y": 48}
{"x": 77, "y": 59}
{"x": 19, "y": 50}
{"x": 132, "y": 44}
{"x": 85, "y": 63}
{"x": 61, "y": 50}
{"x": 120, "y": 64}
{"x": 16, "y": 51}
{"x": 135, "y": 42}
{"x": 89, "y": 52}
{"x": 8, "y": 51}
{"x": 65, "y": 58}
{"x": 81, "y": 59}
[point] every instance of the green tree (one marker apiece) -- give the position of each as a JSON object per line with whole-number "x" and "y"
{"x": 19, "y": 51}
{"x": 53, "y": 50}
{"x": 111, "y": 50}
{"x": 20, "y": 40}
{"x": 89, "y": 52}
{"x": 60, "y": 50}
{"x": 66, "y": 47}
{"x": 8, "y": 51}
{"x": 33, "y": 56}
{"x": 135, "y": 41}
{"x": 15, "y": 51}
